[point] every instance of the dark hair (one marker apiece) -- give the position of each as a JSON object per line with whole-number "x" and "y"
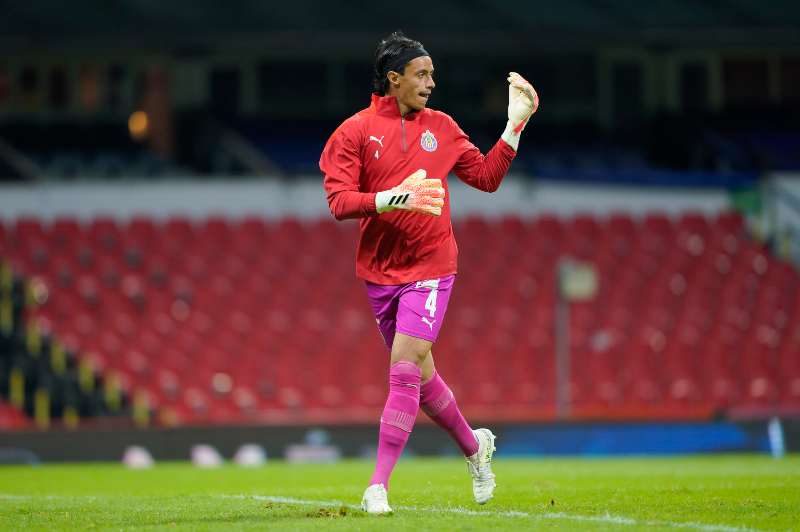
{"x": 389, "y": 50}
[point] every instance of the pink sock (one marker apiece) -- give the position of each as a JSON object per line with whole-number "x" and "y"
{"x": 397, "y": 419}
{"x": 438, "y": 402}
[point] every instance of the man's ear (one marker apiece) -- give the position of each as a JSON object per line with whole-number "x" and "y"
{"x": 394, "y": 77}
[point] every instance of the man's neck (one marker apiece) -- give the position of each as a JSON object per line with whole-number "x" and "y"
{"x": 404, "y": 109}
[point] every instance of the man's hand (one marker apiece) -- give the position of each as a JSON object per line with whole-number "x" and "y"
{"x": 522, "y": 103}
{"x": 415, "y": 193}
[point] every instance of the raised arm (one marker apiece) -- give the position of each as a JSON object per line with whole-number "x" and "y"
{"x": 487, "y": 172}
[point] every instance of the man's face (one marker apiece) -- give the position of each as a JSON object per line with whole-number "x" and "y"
{"x": 414, "y": 86}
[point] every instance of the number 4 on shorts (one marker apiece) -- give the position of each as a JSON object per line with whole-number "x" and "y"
{"x": 430, "y": 304}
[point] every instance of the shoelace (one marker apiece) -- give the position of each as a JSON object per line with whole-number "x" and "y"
{"x": 481, "y": 472}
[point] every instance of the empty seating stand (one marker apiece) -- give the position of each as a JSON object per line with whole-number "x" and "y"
{"x": 250, "y": 320}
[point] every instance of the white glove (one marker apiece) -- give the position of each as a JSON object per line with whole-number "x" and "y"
{"x": 415, "y": 194}
{"x": 522, "y": 103}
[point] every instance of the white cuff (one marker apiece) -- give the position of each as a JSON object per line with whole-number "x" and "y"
{"x": 382, "y": 201}
{"x": 511, "y": 138}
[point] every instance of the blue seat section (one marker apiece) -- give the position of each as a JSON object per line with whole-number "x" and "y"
{"x": 106, "y": 164}
{"x": 293, "y": 157}
{"x": 729, "y": 149}
{"x": 97, "y": 150}
{"x": 775, "y": 150}
{"x": 294, "y": 147}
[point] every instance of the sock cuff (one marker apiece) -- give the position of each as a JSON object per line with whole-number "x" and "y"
{"x": 405, "y": 368}
{"x": 430, "y": 382}
{"x": 404, "y": 380}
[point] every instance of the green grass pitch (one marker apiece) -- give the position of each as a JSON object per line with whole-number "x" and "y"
{"x": 721, "y": 493}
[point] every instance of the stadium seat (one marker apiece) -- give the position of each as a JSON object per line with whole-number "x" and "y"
{"x": 12, "y": 418}
{"x": 222, "y": 320}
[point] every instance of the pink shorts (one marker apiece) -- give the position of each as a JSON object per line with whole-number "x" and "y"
{"x": 416, "y": 309}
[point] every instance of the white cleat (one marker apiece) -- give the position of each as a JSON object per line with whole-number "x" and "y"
{"x": 375, "y": 500}
{"x": 480, "y": 466}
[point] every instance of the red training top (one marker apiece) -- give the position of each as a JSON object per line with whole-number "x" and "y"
{"x": 375, "y": 150}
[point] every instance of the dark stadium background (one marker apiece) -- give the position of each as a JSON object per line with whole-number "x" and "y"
{"x": 170, "y": 274}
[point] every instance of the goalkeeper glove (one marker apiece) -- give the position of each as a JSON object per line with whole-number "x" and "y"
{"x": 415, "y": 193}
{"x": 522, "y": 103}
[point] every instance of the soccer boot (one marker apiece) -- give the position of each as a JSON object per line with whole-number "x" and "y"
{"x": 480, "y": 466}
{"x": 375, "y": 500}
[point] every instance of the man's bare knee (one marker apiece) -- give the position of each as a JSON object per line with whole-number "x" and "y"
{"x": 410, "y": 354}
{"x": 427, "y": 367}
{"x": 410, "y": 349}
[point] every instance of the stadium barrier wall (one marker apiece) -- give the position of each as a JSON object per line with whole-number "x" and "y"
{"x": 546, "y": 439}
{"x": 305, "y": 198}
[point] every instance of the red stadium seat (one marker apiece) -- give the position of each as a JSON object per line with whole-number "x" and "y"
{"x": 689, "y": 314}
{"x": 11, "y": 418}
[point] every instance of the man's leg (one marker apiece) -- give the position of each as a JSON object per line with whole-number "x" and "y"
{"x": 402, "y": 405}
{"x": 409, "y": 318}
{"x": 438, "y": 401}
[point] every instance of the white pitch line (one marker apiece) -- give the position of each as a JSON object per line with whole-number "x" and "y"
{"x": 607, "y": 518}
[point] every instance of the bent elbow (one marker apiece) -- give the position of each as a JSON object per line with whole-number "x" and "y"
{"x": 335, "y": 206}
{"x": 492, "y": 187}
{"x": 337, "y": 213}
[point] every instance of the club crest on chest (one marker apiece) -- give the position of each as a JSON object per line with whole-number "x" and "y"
{"x": 428, "y": 141}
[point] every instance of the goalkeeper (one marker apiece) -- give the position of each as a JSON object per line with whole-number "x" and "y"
{"x": 387, "y": 165}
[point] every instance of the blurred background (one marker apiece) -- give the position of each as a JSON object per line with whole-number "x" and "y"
{"x": 170, "y": 273}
